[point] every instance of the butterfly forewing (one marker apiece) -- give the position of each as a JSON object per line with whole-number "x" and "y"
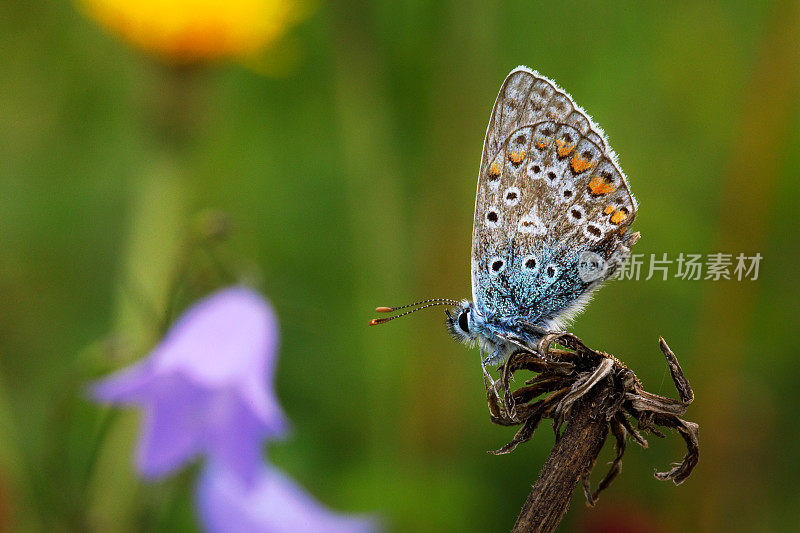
{"x": 549, "y": 190}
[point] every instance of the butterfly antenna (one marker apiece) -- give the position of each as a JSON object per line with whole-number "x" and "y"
{"x": 427, "y": 303}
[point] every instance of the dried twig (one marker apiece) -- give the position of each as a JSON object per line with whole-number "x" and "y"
{"x": 591, "y": 392}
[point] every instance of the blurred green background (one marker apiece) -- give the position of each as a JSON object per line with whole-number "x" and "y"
{"x": 349, "y": 182}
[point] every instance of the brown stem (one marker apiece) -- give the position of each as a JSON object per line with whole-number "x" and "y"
{"x": 573, "y": 454}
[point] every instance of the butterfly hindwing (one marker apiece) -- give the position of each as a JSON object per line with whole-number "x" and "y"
{"x": 549, "y": 191}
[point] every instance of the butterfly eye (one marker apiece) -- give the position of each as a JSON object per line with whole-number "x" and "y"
{"x": 463, "y": 321}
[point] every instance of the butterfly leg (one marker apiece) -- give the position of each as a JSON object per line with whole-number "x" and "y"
{"x": 495, "y": 357}
{"x": 487, "y": 378}
{"x": 498, "y": 394}
{"x": 492, "y": 397}
{"x": 492, "y": 358}
{"x": 499, "y": 408}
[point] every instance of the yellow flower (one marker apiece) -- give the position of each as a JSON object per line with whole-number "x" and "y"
{"x": 186, "y": 31}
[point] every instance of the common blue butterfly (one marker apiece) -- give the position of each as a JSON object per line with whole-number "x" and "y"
{"x": 551, "y": 218}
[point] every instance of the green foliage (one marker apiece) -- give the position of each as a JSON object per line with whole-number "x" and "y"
{"x": 350, "y": 184}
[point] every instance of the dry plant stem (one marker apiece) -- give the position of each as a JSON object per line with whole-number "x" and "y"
{"x": 589, "y": 393}
{"x": 574, "y": 452}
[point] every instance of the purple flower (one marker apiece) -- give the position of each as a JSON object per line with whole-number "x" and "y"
{"x": 274, "y": 504}
{"x": 206, "y": 388}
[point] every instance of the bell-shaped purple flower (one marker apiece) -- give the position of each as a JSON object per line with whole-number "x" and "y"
{"x": 273, "y": 504}
{"x": 206, "y": 388}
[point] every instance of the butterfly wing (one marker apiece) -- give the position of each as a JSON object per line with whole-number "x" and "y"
{"x": 551, "y": 198}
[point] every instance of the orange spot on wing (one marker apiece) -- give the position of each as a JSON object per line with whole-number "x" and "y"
{"x": 494, "y": 171}
{"x": 542, "y": 143}
{"x": 564, "y": 148}
{"x": 580, "y": 164}
{"x": 599, "y": 186}
{"x": 608, "y": 209}
{"x": 516, "y": 157}
{"x": 618, "y": 217}
{"x": 622, "y": 231}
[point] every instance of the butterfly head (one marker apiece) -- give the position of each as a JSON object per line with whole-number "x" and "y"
{"x": 464, "y": 322}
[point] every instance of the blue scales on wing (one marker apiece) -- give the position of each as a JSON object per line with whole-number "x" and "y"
{"x": 551, "y": 198}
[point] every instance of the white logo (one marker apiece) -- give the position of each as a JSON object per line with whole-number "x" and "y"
{"x": 591, "y": 266}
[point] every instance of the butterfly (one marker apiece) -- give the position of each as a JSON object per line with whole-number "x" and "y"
{"x": 552, "y": 213}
